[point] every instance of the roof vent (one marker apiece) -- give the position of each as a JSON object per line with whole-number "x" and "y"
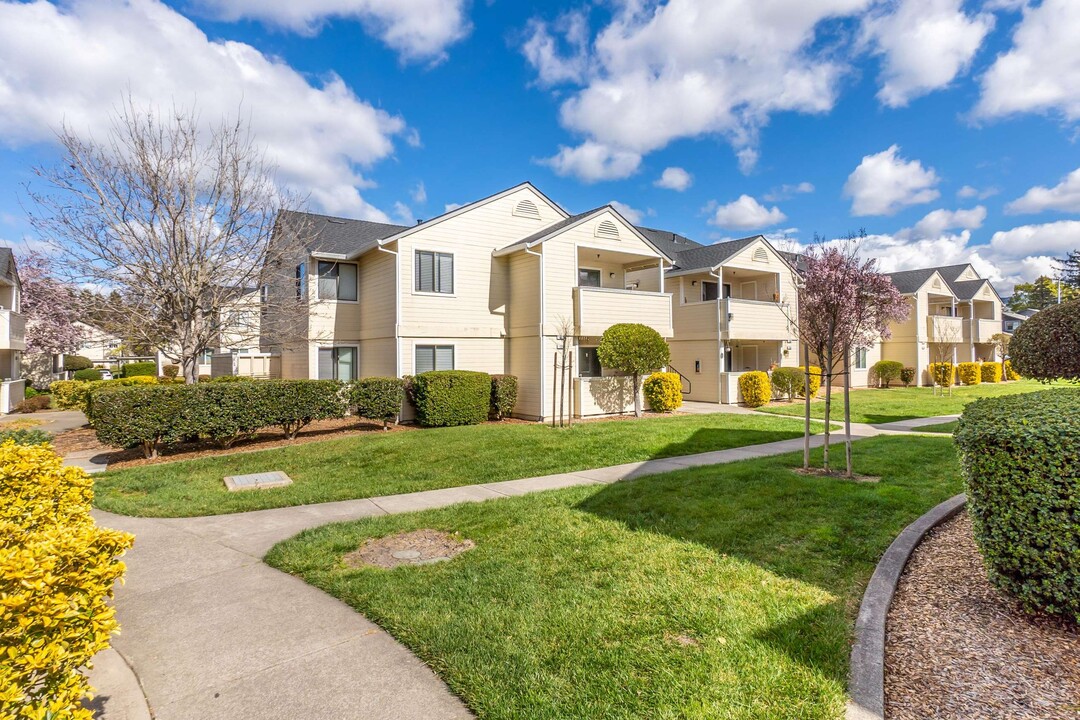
{"x": 761, "y": 255}
{"x": 608, "y": 229}
{"x": 527, "y": 209}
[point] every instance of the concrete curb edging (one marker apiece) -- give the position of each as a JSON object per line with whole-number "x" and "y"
{"x": 118, "y": 695}
{"x": 866, "y": 680}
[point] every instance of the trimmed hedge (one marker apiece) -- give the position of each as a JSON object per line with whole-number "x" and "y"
{"x": 755, "y": 388}
{"x": 815, "y": 381}
{"x": 969, "y": 373}
{"x": 170, "y": 371}
{"x": 138, "y": 368}
{"x": 886, "y": 371}
{"x": 788, "y": 382}
{"x": 504, "y": 394}
{"x": 942, "y": 373}
{"x": 1021, "y": 461}
{"x": 75, "y": 394}
{"x": 222, "y": 414}
{"x": 294, "y": 404}
{"x": 72, "y": 363}
{"x": 1046, "y": 346}
{"x": 377, "y": 398}
{"x": 990, "y": 372}
{"x": 1007, "y": 369}
{"x": 58, "y": 570}
{"x": 663, "y": 390}
{"x": 445, "y": 398}
{"x": 87, "y": 374}
{"x": 907, "y": 376}
{"x": 141, "y": 417}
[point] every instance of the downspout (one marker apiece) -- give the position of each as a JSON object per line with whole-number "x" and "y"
{"x": 543, "y": 319}
{"x": 971, "y": 326}
{"x": 722, "y": 378}
{"x": 397, "y": 308}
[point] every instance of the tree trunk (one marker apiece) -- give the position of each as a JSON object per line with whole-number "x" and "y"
{"x": 806, "y": 419}
{"x": 554, "y": 385}
{"x": 827, "y": 379}
{"x": 562, "y": 388}
{"x": 847, "y": 412}
{"x": 190, "y": 369}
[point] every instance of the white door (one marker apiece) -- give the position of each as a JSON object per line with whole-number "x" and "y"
{"x": 749, "y": 290}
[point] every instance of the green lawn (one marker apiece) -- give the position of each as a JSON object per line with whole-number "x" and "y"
{"x": 948, "y": 428}
{"x": 719, "y": 592}
{"x": 898, "y": 403}
{"x": 384, "y": 464}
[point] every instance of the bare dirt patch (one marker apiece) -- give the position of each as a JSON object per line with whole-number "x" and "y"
{"x": 418, "y": 547}
{"x": 959, "y": 649}
{"x": 837, "y": 475}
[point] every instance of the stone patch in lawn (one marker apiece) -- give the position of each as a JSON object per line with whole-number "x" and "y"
{"x": 837, "y": 475}
{"x": 418, "y": 547}
{"x": 257, "y": 481}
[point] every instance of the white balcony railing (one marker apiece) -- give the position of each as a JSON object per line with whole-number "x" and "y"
{"x": 755, "y": 320}
{"x": 986, "y": 329}
{"x": 944, "y": 328}
{"x": 597, "y": 309}
{"x": 12, "y": 330}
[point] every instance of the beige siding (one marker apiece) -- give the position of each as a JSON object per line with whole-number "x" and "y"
{"x": 603, "y": 396}
{"x": 294, "y": 363}
{"x": 378, "y": 357}
{"x": 525, "y": 363}
{"x": 757, "y": 320}
{"x": 524, "y": 307}
{"x": 697, "y": 321}
{"x": 480, "y": 354}
{"x": 378, "y": 295}
{"x": 597, "y": 309}
{"x": 704, "y": 384}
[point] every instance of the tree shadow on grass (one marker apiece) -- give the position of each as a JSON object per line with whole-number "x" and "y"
{"x": 712, "y": 439}
{"x": 817, "y": 639}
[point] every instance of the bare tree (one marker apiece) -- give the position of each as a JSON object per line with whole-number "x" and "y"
{"x": 180, "y": 220}
{"x": 943, "y": 350}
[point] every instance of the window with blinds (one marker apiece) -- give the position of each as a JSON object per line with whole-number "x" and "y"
{"x": 434, "y": 272}
{"x": 337, "y": 363}
{"x": 337, "y": 281}
{"x": 434, "y": 357}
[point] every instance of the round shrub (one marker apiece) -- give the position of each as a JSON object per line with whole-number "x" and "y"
{"x": 33, "y": 404}
{"x": 138, "y": 368}
{"x": 1021, "y": 461}
{"x": 886, "y": 371}
{"x": 969, "y": 373}
{"x": 815, "y": 381}
{"x": 73, "y": 363}
{"x": 87, "y": 374}
{"x": 907, "y": 376}
{"x": 755, "y": 388}
{"x": 788, "y": 382}
{"x": 1047, "y": 345}
{"x": 1007, "y": 369}
{"x": 139, "y": 416}
{"x": 293, "y": 404}
{"x": 445, "y": 398}
{"x": 942, "y": 373}
{"x": 990, "y": 372}
{"x": 377, "y": 398}
{"x": 663, "y": 391}
{"x": 504, "y": 394}
{"x": 170, "y": 371}
{"x": 633, "y": 349}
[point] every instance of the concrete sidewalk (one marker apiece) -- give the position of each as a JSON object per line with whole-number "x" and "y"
{"x": 212, "y": 632}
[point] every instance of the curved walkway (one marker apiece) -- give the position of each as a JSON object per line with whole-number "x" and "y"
{"x": 212, "y": 632}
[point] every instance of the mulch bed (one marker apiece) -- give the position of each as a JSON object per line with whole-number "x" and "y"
{"x": 418, "y": 547}
{"x": 958, "y": 649}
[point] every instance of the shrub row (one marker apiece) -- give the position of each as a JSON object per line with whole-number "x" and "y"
{"x": 942, "y": 373}
{"x": 74, "y": 394}
{"x": 504, "y": 394}
{"x": 445, "y": 398}
{"x": 377, "y": 398}
{"x": 1021, "y": 462}
{"x": 73, "y": 363}
{"x": 87, "y": 374}
{"x": 968, "y": 373}
{"x": 663, "y": 390}
{"x": 137, "y": 369}
{"x": 755, "y": 388}
{"x": 1007, "y": 369}
{"x": 57, "y": 574}
{"x": 990, "y": 372}
{"x": 790, "y": 382}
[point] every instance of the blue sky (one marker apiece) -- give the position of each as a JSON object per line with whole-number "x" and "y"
{"x": 947, "y": 129}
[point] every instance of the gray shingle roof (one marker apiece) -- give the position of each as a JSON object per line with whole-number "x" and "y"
{"x": 965, "y": 289}
{"x": 7, "y": 263}
{"x": 550, "y": 229}
{"x": 668, "y": 242}
{"x": 952, "y": 272}
{"x": 909, "y": 281}
{"x": 708, "y": 256}
{"x": 338, "y": 236}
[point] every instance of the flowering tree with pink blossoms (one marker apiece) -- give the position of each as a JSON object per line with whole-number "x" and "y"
{"x": 844, "y": 304}
{"x": 50, "y": 306}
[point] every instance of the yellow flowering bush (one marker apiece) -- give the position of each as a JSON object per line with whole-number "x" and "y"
{"x": 57, "y": 570}
{"x": 990, "y": 372}
{"x": 75, "y": 394}
{"x": 969, "y": 373}
{"x": 755, "y": 388}
{"x": 663, "y": 390}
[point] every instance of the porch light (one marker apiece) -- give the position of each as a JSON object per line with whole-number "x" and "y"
{"x": 693, "y": 283}
{"x": 611, "y": 275}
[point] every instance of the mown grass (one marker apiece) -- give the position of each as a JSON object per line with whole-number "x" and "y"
{"x": 719, "y": 592}
{"x": 385, "y": 464}
{"x": 898, "y": 403}
{"x": 947, "y": 428}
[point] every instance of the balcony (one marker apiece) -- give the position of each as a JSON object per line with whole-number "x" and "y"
{"x": 12, "y": 330}
{"x": 597, "y": 309}
{"x": 986, "y": 329}
{"x": 944, "y": 329}
{"x": 755, "y": 320}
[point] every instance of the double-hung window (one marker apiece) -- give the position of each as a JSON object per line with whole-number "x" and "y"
{"x": 434, "y": 357}
{"x": 434, "y": 272}
{"x": 588, "y": 362}
{"x": 860, "y": 358}
{"x": 337, "y": 281}
{"x": 338, "y": 363}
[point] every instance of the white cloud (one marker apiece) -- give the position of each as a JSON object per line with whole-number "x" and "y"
{"x": 403, "y": 214}
{"x": 746, "y": 213}
{"x": 924, "y": 45}
{"x": 1055, "y": 239}
{"x": 687, "y": 68}
{"x": 1041, "y": 72}
{"x": 419, "y": 194}
{"x": 73, "y": 63}
{"x": 554, "y": 66}
{"x": 417, "y": 29}
{"x": 937, "y": 222}
{"x": 633, "y": 215}
{"x": 968, "y": 192}
{"x": 592, "y": 162}
{"x": 1065, "y": 196}
{"x": 785, "y": 192}
{"x": 450, "y": 207}
{"x": 884, "y": 183}
{"x": 674, "y": 178}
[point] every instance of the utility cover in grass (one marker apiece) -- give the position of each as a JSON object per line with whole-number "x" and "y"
{"x": 418, "y": 547}
{"x": 257, "y": 481}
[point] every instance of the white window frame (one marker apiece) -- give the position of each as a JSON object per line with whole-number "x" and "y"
{"x": 862, "y": 358}
{"x": 453, "y": 273}
{"x": 436, "y": 346}
{"x": 581, "y": 365}
{"x": 318, "y": 277}
{"x": 342, "y": 346}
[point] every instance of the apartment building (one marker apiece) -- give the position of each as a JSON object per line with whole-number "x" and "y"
{"x": 12, "y": 333}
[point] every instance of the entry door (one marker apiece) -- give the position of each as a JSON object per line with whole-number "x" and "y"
{"x": 749, "y": 290}
{"x": 727, "y": 359}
